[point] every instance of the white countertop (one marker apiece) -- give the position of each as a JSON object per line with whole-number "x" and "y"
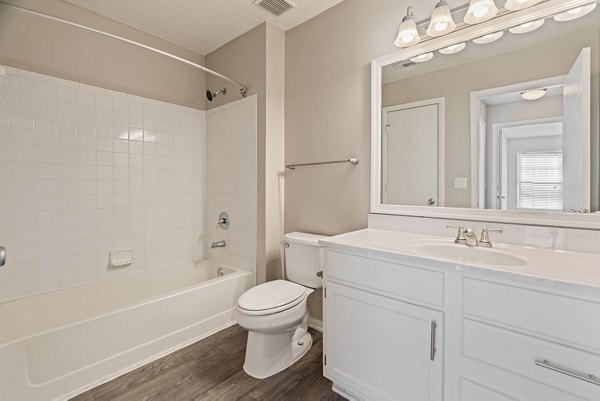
{"x": 555, "y": 265}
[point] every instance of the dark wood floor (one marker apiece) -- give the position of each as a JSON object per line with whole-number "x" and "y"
{"x": 211, "y": 369}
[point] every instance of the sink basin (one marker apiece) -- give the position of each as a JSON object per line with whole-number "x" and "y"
{"x": 470, "y": 255}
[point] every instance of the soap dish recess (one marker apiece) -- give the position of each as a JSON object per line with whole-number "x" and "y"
{"x": 120, "y": 257}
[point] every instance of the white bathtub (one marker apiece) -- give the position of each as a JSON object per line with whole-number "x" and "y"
{"x": 55, "y": 345}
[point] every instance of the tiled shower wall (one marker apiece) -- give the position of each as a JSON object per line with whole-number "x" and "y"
{"x": 84, "y": 170}
{"x": 231, "y": 172}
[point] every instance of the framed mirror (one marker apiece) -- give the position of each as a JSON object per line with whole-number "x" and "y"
{"x": 497, "y": 121}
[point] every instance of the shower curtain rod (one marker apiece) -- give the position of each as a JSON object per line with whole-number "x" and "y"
{"x": 243, "y": 90}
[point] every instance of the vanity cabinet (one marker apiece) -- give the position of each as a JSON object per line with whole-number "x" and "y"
{"x": 382, "y": 347}
{"x": 403, "y": 328}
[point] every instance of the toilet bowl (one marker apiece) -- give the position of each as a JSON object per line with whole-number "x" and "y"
{"x": 275, "y": 313}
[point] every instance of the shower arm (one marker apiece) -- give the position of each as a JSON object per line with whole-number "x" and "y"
{"x": 243, "y": 88}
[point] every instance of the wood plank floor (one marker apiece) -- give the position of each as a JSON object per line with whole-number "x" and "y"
{"x": 211, "y": 369}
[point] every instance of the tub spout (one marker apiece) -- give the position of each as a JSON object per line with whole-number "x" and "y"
{"x": 218, "y": 244}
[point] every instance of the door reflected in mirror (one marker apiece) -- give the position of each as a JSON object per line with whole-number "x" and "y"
{"x": 510, "y": 125}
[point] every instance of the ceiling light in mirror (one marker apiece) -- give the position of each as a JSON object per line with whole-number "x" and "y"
{"x": 422, "y": 58}
{"x": 492, "y": 37}
{"x": 454, "y": 48}
{"x": 514, "y": 5}
{"x": 441, "y": 20}
{"x": 575, "y": 13}
{"x": 527, "y": 27}
{"x": 408, "y": 34}
{"x": 534, "y": 94}
{"x": 480, "y": 11}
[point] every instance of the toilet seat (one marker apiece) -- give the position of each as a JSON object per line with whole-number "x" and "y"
{"x": 271, "y": 297}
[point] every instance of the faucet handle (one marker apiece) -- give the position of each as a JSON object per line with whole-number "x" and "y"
{"x": 485, "y": 237}
{"x": 460, "y": 235}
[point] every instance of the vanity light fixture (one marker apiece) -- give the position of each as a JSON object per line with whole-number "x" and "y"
{"x": 514, "y": 5}
{"x": 408, "y": 34}
{"x": 575, "y": 13}
{"x": 492, "y": 37}
{"x": 527, "y": 27}
{"x": 533, "y": 94}
{"x": 454, "y": 48}
{"x": 441, "y": 21}
{"x": 480, "y": 11}
{"x": 422, "y": 58}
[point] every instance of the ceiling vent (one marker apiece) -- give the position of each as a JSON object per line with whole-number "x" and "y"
{"x": 275, "y": 7}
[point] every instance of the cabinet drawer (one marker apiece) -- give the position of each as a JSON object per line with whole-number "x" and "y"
{"x": 518, "y": 353}
{"x": 518, "y": 390}
{"x": 387, "y": 278}
{"x": 566, "y": 319}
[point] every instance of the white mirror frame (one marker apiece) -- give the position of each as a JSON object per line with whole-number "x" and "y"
{"x": 501, "y": 23}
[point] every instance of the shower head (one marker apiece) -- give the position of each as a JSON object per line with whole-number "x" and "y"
{"x": 211, "y": 95}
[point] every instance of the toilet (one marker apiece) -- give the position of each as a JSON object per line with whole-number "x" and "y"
{"x": 275, "y": 314}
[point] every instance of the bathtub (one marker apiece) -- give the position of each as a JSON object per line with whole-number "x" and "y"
{"x": 58, "y": 344}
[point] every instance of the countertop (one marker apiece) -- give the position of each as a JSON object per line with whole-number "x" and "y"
{"x": 575, "y": 268}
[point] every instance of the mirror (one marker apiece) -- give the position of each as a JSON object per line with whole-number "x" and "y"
{"x": 510, "y": 125}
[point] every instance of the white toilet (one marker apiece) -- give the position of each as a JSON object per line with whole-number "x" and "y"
{"x": 274, "y": 313}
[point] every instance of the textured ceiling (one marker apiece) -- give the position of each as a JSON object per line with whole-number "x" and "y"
{"x": 200, "y": 25}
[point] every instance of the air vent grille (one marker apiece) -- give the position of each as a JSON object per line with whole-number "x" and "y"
{"x": 275, "y": 7}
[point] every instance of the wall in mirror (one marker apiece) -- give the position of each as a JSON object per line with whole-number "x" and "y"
{"x": 508, "y": 125}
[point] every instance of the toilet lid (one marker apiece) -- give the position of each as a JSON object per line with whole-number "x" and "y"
{"x": 271, "y": 295}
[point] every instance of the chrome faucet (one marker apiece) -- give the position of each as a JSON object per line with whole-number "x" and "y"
{"x": 470, "y": 238}
{"x": 218, "y": 244}
{"x": 467, "y": 236}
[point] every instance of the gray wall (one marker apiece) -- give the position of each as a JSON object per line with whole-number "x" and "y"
{"x": 327, "y": 115}
{"x": 248, "y": 59}
{"x": 49, "y": 47}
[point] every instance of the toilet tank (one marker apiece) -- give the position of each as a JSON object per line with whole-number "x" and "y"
{"x": 304, "y": 259}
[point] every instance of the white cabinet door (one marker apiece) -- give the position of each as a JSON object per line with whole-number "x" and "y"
{"x": 379, "y": 348}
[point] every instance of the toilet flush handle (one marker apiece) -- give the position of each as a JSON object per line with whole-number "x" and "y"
{"x": 320, "y": 274}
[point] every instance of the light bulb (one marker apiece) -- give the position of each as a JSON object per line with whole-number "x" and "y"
{"x": 453, "y": 49}
{"x": 441, "y": 26}
{"x": 514, "y": 5}
{"x": 422, "y": 58}
{"x": 527, "y": 27}
{"x": 492, "y": 37}
{"x": 408, "y": 34}
{"x": 533, "y": 94}
{"x": 480, "y": 11}
{"x": 575, "y": 13}
{"x": 441, "y": 20}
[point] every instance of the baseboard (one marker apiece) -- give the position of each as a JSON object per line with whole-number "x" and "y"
{"x": 316, "y": 324}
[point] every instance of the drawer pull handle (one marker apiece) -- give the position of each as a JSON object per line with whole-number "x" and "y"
{"x": 432, "y": 347}
{"x": 544, "y": 363}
